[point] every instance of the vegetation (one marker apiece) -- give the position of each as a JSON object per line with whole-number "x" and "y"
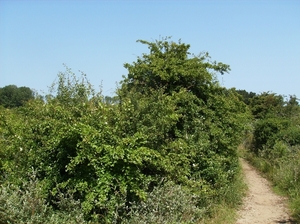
{"x": 25, "y": 204}
{"x": 274, "y": 143}
{"x": 164, "y": 150}
{"x": 13, "y": 96}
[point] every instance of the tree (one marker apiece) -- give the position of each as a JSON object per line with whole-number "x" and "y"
{"x": 171, "y": 66}
{"x": 111, "y": 100}
{"x": 277, "y": 119}
{"x": 247, "y": 96}
{"x": 292, "y": 106}
{"x": 12, "y": 96}
{"x": 267, "y": 104}
{"x": 208, "y": 121}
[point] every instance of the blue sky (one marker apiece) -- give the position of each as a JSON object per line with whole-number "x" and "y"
{"x": 259, "y": 39}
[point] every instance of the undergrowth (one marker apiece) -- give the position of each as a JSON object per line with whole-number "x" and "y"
{"x": 167, "y": 203}
{"x": 25, "y": 204}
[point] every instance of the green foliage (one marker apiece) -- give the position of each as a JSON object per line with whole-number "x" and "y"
{"x": 111, "y": 100}
{"x": 292, "y": 107}
{"x": 76, "y": 142}
{"x": 267, "y": 131}
{"x": 210, "y": 120}
{"x": 246, "y": 96}
{"x": 170, "y": 121}
{"x": 276, "y": 142}
{"x": 167, "y": 203}
{"x": 291, "y": 135}
{"x": 166, "y": 67}
{"x": 13, "y": 96}
{"x": 276, "y": 119}
{"x": 266, "y": 104}
{"x": 26, "y": 204}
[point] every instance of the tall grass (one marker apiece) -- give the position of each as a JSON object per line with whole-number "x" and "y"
{"x": 169, "y": 203}
{"x": 26, "y": 205}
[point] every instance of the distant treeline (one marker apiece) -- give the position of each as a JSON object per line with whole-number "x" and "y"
{"x": 13, "y": 96}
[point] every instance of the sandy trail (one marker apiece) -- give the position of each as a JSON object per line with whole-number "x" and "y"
{"x": 261, "y": 205}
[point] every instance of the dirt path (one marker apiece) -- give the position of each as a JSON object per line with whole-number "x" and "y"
{"x": 261, "y": 205}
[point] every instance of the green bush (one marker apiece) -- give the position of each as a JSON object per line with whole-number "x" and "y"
{"x": 291, "y": 135}
{"x": 267, "y": 131}
{"x": 171, "y": 120}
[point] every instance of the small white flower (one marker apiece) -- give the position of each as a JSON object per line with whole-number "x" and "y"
{"x": 21, "y": 149}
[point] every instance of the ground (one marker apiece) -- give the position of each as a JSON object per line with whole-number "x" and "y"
{"x": 261, "y": 205}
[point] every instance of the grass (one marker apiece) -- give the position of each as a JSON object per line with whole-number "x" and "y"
{"x": 25, "y": 204}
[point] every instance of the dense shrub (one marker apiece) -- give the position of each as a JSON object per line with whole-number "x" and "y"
{"x": 274, "y": 145}
{"x": 267, "y": 131}
{"x": 170, "y": 121}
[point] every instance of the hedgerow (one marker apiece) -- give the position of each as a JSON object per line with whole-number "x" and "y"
{"x": 172, "y": 128}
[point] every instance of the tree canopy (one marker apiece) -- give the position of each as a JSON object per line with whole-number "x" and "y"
{"x": 171, "y": 66}
{"x": 13, "y": 96}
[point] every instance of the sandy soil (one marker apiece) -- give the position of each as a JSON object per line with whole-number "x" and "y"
{"x": 261, "y": 205}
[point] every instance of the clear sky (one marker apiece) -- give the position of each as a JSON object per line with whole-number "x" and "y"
{"x": 259, "y": 39}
